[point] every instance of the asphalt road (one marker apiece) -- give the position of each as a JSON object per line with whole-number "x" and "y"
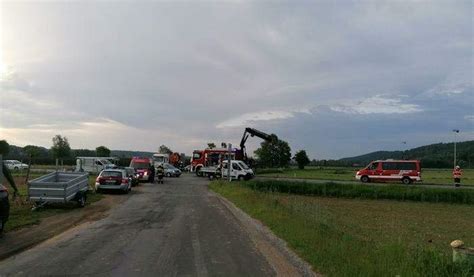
{"x": 172, "y": 229}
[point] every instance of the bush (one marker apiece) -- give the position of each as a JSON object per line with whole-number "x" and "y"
{"x": 392, "y": 192}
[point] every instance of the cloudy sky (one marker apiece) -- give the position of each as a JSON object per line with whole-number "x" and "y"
{"x": 335, "y": 78}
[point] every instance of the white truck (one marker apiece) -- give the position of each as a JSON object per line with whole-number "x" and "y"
{"x": 238, "y": 171}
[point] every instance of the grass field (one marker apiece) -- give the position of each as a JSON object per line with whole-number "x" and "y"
{"x": 429, "y": 176}
{"x": 353, "y": 237}
{"x": 20, "y": 209}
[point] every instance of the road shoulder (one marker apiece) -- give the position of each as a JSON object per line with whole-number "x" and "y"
{"x": 19, "y": 240}
{"x": 275, "y": 250}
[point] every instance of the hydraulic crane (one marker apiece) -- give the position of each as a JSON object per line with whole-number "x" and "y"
{"x": 254, "y": 132}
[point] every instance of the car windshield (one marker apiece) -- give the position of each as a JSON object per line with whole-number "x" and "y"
{"x": 111, "y": 174}
{"x": 139, "y": 165}
{"x": 244, "y": 166}
{"x": 104, "y": 161}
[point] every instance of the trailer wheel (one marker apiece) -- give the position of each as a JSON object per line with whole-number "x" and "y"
{"x": 364, "y": 179}
{"x": 81, "y": 200}
{"x": 406, "y": 180}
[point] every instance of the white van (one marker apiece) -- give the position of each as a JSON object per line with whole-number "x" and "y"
{"x": 239, "y": 170}
{"x": 94, "y": 164}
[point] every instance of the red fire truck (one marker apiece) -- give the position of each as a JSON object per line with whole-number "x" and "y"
{"x": 211, "y": 157}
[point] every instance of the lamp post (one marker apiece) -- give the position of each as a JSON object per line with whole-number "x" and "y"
{"x": 455, "y": 131}
{"x": 404, "y": 149}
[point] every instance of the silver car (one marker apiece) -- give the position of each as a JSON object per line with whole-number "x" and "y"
{"x": 171, "y": 171}
{"x": 113, "y": 179}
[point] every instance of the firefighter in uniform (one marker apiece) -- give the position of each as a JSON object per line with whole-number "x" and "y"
{"x": 160, "y": 172}
{"x": 457, "y": 173}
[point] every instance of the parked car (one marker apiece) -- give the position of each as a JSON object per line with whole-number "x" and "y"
{"x": 4, "y": 207}
{"x": 406, "y": 171}
{"x": 143, "y": 167}
{"x": 171, "y": 171}
{"x": 113, "y": 179}
{"x": 15, "y": 165}
{"x": 133, "y": 174}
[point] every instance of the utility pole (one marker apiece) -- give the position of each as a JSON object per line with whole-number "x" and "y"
{"x": 229, "y": 161}
{"x": 404, "y": 149}
{"x": 456, "y": 131}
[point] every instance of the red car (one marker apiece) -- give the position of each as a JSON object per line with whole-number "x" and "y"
{"x": 142, "y": 167}
{"x": 406, "y": 171}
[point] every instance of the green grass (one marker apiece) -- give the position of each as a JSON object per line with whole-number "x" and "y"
{"x": 429, "y": 176}
{"x": 21, "y": 214}
{"x": 353, "y": 237}
{"x": 393, "y": 192}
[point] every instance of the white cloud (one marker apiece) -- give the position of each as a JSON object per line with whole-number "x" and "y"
{"x": 469, "y": 117}
{"x": 251, "y": 118}
{"x": 378, "y": 104}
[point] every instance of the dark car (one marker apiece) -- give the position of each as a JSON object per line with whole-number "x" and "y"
{"x": 4, "y": 207}
{"x": 134, "y": 175}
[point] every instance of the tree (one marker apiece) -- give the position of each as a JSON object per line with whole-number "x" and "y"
{"x": 274, "y": 153}
{"x": 102, "y": 151}
{"x": 301, "y": 159}
{"x": 211, "y": 145}
{"x": 164, "y": 150}
{"x": 33, "y": 151}
{"x": 4, "y": 147}
{"x": 60, "y": 148}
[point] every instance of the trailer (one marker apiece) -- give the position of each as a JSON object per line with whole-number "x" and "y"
{"x": 59, "y": 187}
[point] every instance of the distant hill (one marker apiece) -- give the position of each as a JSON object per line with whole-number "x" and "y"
{"x": 439, "y": 155}
{"x": 130, "y": 154}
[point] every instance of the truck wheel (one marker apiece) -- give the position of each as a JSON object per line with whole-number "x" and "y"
{"x": 364, "y": 179}
{"x": 406, "y": 180}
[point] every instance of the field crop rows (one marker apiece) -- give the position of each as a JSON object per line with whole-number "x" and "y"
{"x": 360, "y": 237}
{"x": 429, "y": 176}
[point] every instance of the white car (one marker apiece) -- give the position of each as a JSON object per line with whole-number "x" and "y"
{"x": 15, "y": 165}
{"x": 113, "y": 179}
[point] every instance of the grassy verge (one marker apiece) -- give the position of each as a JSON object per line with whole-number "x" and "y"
{"x": 429, "y": 176}
{"x": 354, "y": 237}
{"x": 21, "y": 214}
{"x": 393, "y": 192}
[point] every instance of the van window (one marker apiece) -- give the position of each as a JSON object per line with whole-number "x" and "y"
{"x": 398, "y": 166}
{"x": 236, "y": 166}
{"x": 373, "y": 166}
{"x": 139, "y": 165}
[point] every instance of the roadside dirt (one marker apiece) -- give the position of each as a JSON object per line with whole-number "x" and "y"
{"x": 22, "y": 239}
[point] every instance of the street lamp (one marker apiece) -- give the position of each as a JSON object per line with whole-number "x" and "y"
{"x": 404, "y": 149}
{"x": 456, "y": 131}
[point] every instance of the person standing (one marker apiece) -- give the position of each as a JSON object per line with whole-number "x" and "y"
{"x": 457, "y": 173}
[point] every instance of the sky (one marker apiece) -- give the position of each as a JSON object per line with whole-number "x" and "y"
{"x": 336, "y": 78}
